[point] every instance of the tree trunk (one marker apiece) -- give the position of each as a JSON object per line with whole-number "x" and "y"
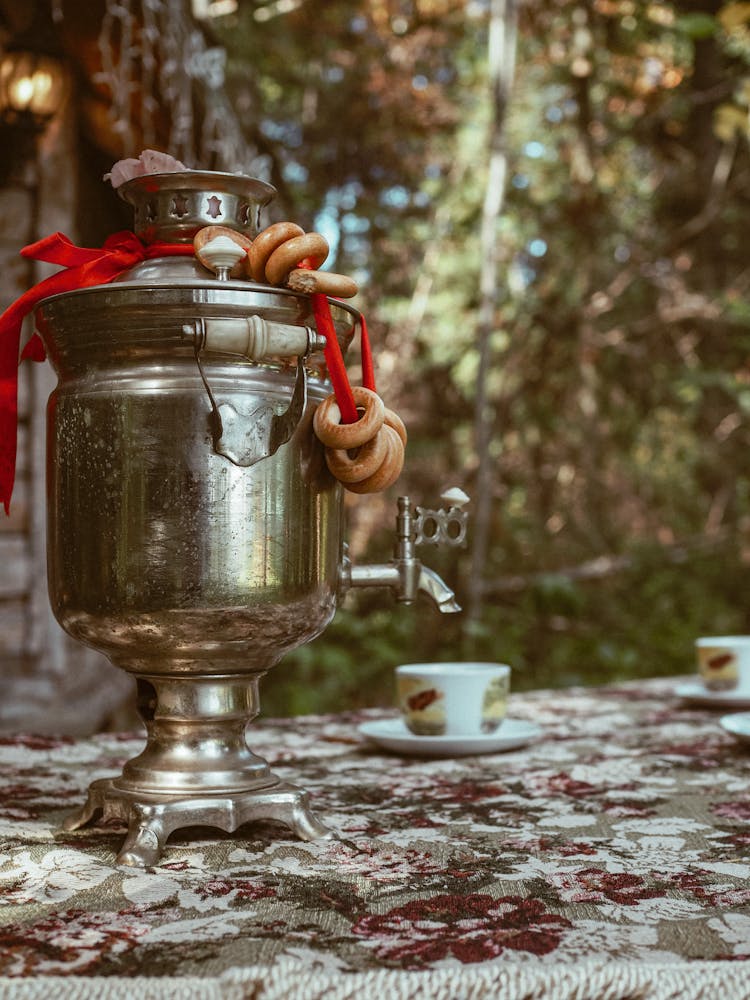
{"x": 501, "y": 67}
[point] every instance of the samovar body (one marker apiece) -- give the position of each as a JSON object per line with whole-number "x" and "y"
{"x": 194, "y": 532}
{"x": 163, "y": 553}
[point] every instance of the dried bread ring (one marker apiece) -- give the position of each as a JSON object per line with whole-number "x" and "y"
{"x": 310, "y": 246}
{"x": 392, "y": 419}
{"x": 208, "y": 233}
{"x": 329, "y": 429}
{"x": 389, "y": 470}
{"x": 360, "y": 463}
{"x": 264, "y": 245}
{"x": 339, "y": 286}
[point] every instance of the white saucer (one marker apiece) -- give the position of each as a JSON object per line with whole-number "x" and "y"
{"x": 738, "y": 725}
{"x": 695, "y": 692}
{"x": 392, "y": 734}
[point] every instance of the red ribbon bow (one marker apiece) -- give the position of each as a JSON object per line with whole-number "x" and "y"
{"x": 82, "y": 268}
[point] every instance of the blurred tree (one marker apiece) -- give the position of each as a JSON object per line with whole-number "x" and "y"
{"x": 501, "y": 61}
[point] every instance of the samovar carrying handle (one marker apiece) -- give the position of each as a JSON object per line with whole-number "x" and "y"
{"x": 248, "y": 437}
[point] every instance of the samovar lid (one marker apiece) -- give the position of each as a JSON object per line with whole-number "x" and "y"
{"x": 153, "y": 299}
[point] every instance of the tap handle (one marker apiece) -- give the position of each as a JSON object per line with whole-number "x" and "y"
{"x": 444, "y": 525}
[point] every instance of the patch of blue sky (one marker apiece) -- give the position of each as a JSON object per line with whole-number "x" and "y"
{"x": 396, "y": 196}
{"x": 621, "y": 253}
{"x": 347, "y": 195}
{"x": 534, "y": 149}
{"x": 351, "y": 223}
{"x": 289, "y": 133}
{"x": 537, "y": 247}
{"x": 327, "y": 224}
{"x": 295, "y": 173}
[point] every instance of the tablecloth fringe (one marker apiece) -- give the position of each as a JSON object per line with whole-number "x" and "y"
{"x": 585, "y": 981}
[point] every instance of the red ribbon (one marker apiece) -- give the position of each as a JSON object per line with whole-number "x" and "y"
{"x": 335, "y": 359}
{"x": 82, "y": 268}
{"x": 342, "y": 390}
{"x": 87, "y": 266}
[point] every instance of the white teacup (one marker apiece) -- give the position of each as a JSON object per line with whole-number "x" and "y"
{"x": 724, "y": 662}
{"x": 453, "y": 699}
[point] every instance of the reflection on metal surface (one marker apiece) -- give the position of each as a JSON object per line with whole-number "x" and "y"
{"x": 248, "y": 437}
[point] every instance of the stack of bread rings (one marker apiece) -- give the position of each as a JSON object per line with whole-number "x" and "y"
{"x": 274, "y": 257}
{"x": 367, "y": 455}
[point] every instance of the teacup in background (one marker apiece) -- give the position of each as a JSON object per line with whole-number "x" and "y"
{"x": 724, "y": 662}
{"x": 452, "y": 699}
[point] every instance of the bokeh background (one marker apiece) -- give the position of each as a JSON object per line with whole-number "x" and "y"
{"x": 546, "y": 206}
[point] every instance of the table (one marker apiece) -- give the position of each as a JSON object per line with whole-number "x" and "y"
{"x": 609, "y": 860}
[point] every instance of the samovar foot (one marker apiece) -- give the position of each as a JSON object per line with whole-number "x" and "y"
{"x": 96, "y": 801}
{"x": 145, "y": 839}
{"x": 290, "y": 805}
{"x": 150, "y": 819}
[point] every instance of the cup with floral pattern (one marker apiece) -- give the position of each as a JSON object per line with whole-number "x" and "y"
{"x": 453, "y": 699}
{"x": 724, "y": 663}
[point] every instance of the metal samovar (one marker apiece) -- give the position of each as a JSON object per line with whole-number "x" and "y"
{"x": 195, "y": 534}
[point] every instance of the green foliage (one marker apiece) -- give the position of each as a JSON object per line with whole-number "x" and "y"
{"x": 619, "y": 391}
{"x": 558, "y": 632}
{"x": 349, "y": 666}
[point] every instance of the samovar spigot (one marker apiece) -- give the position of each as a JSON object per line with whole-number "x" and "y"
{"x": 405, "y": 574}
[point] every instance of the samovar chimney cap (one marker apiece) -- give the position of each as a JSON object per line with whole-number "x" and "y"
{"x": 172, "y": 206}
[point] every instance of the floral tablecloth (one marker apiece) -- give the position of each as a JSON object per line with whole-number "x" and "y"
{"x": 608, "y": 860}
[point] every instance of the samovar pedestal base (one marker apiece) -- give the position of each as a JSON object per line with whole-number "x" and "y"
{"x": 196, "y": 768}
{"x": 150, "y": 819}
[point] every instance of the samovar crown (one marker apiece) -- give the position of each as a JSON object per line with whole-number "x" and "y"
{"x": 173, "y": 207}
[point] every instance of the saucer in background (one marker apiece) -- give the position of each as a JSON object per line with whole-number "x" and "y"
{"x": 392, "y": 734}
{"x": 738, "y": 725}
{"x": 695, "y": 693}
